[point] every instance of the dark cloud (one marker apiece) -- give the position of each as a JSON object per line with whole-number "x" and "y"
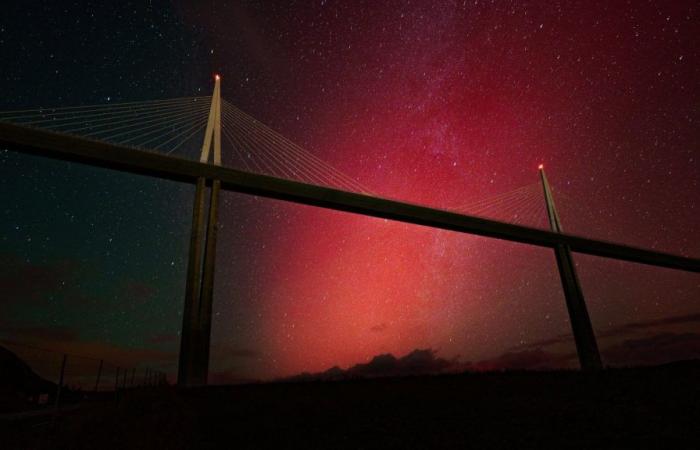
{"x": 561, "y": 339}
{"x": 229, "y": 377}
{"x": 426, "y": 362}
{"x": 82, "y": 355}
{"x": 656, "y": 349}
{"x": 229, "y": 361}
{"x": 417, "y": 362}
{"x": 164, "y": 338}
{"x": 379, "y": 328}
{"x": 675, "y": 320}
{"x": 60, "y": 340}
{"x": 537, "y": 359}
{"x": 135, "y": 290}
{"x": 622, "y": 330}
{"x": 44, "y": 333}
{"x": 243, "y": 353}
{"x": 651, "y": 350}
{"x": 29, "y": 282}
{"x": 224, "y": 351}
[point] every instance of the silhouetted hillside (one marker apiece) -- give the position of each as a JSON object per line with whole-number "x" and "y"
{"x": 651, "y": 407}
{"x": 20, "y": 386}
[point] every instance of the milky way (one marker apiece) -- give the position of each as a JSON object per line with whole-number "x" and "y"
{"x": 438, "y": 103}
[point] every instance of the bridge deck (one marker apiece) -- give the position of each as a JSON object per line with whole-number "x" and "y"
{"x": 132, "y": 160}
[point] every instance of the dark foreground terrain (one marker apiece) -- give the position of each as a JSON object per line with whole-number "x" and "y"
{"x": 628, "y": 408}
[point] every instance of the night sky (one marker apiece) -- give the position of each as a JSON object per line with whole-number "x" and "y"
{"x": 438, "y": 103}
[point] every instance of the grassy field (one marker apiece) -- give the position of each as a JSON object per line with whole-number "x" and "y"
{"x": 656, "y": 407}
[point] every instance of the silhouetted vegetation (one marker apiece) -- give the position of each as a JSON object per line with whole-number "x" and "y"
{"x": 652, "y": 407}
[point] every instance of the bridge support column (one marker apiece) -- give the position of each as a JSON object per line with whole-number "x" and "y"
{"x": 193, "y": 364}
{"x": 190, "y": 314}
{"x": 584, "y": 336}
{"x": 207, "y": 297}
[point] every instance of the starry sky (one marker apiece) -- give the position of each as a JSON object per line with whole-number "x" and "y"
{"x": 437, "y": 103}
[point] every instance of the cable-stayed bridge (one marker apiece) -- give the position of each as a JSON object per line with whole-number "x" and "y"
{"x": 186, "y": 139}
{"x": 171, "y": 127}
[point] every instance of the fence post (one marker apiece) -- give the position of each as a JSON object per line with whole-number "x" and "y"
{"x": 99, "y": 374}
{"x": 60, "y": 382}
{"x": 116, "y": 381}
{"x": 133, "y": 375}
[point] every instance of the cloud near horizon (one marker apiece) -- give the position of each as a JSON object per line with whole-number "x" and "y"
{"x": 656, "y": 349}
{"x": 37, "y": 344}
{"x": 621, "y": 330}
{"x": 30, "y": 282}
{"x": 650, "y": 350}
{"x": 379, "y": 327}
{"x": 417, "y": 362}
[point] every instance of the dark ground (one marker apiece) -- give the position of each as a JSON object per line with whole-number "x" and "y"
{"x": 626, "y": 408}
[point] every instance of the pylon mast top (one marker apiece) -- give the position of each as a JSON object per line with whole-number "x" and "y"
{"x": 213, "y": 131}
{"x": 552, "y": 214}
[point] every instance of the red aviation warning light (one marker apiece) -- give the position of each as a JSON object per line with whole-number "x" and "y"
{"x": 217, "y": 77}
{"x": 541, "y": 166}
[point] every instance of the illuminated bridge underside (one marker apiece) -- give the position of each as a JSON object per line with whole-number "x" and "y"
{"x": 100, "y": 154}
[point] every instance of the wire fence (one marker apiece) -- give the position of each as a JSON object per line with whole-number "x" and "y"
{"x": 35, "y": 378}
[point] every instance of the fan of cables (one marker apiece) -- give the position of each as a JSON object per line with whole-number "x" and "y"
{"x": 524, "y": 206}
{"x": 258, "y": 148}
{"x": 177, "y": 125}
{"x": 159, "y": 125}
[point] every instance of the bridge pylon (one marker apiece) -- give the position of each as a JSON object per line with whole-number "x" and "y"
{"x": 193, "y": 364}
{"x": 584, "y": 336}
